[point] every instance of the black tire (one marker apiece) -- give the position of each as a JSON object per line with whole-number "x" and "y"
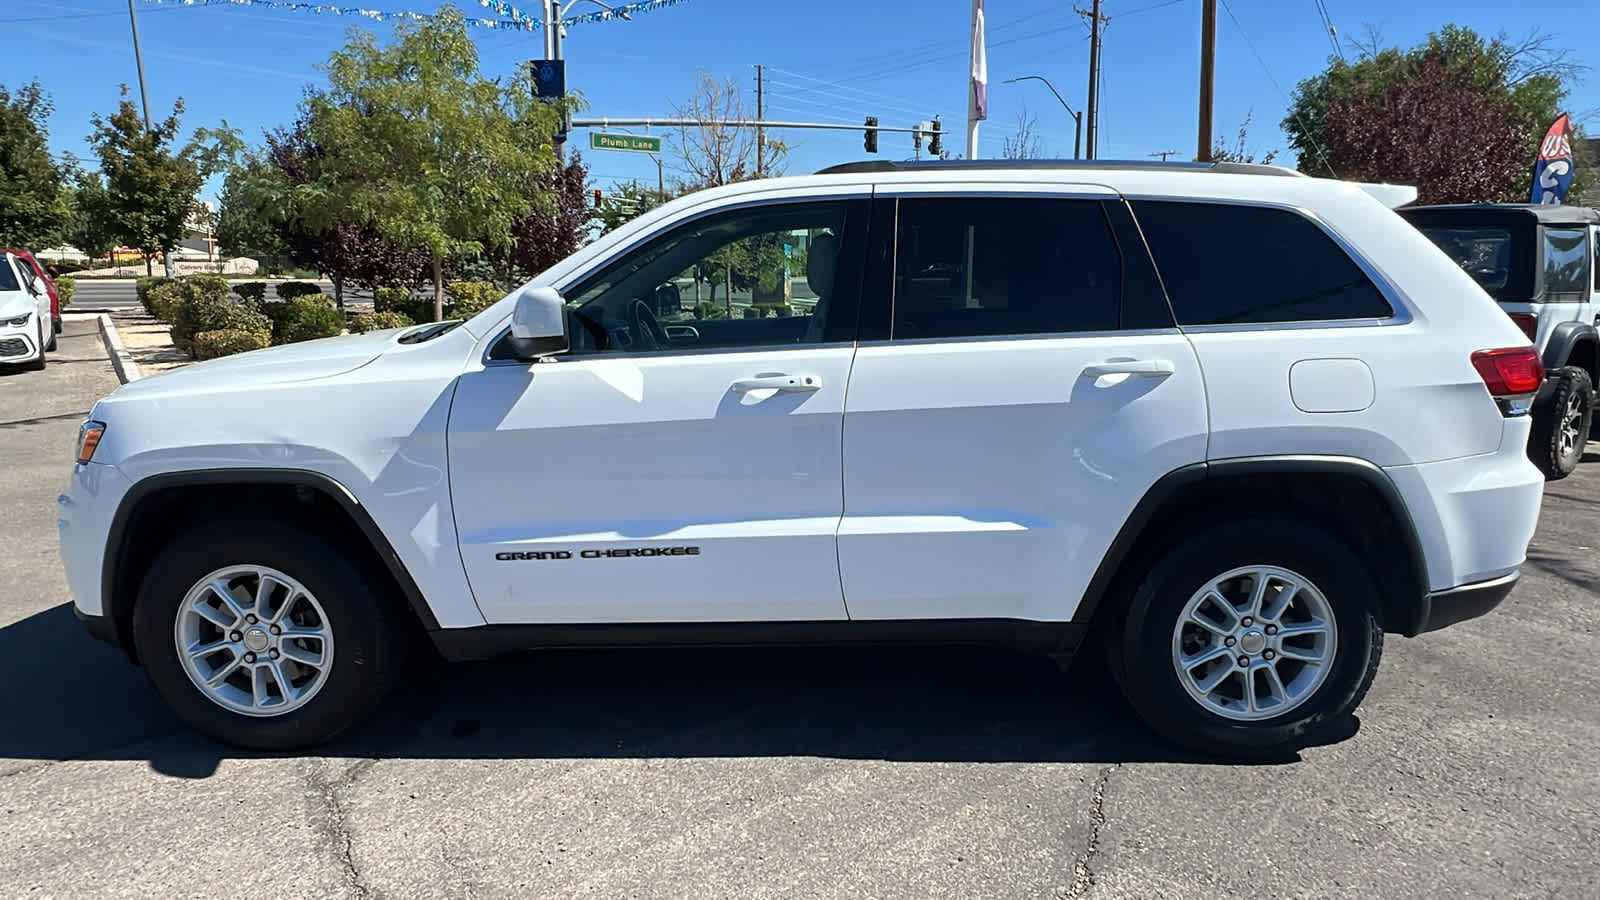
{"x": 369, "y": 643}
{"x": 1141, "y": 639}
{"x": 55, "y": 329}
{"x": 1549, "y": 417}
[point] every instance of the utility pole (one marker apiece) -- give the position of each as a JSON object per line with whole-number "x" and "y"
{"x": 978, "y": 83}
{"x": 1208, "y": 68}
{"x": 1096, "y": 20}
{"x": 138, "y": 60}
{"x": 761, "y": 134}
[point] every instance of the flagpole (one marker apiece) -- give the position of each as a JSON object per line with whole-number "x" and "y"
{"x": 978, "y": 90}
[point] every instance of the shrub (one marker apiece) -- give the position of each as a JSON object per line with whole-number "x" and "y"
{"x": 471, "y": 298}
{"x": 378, "y": 321}
{"x": 750, "y": 312}
{"x": 65, "y": 287}
{"x": 706, "y": 309}
{"x": 226, "y": 342}
{"x": 204, "y": 311}
{"x": 303, "y": 318}
{"x": 143, "y": 285}
{"x": 166, "y": 297}
{"x": 252, "y": 292}
{"x": 289, "y": 290}
{"x": 391, "y": 299}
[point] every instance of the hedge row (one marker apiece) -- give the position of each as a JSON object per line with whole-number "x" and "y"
{"x": 208, "y": 322}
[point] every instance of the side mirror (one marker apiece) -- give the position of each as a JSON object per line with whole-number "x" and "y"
{"x": 668, "y": 300}
{"x": 539, "y": 323}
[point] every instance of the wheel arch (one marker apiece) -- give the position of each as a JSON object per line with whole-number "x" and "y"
{"x": 145, "y": 519}
{"x": 1346, "y": 492}
{"x": 1574, "y": 344}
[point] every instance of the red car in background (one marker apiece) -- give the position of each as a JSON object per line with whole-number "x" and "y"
{"x": 50, "y": 287}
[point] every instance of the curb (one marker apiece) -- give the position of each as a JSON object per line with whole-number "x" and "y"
{"x": 127, "y": 370}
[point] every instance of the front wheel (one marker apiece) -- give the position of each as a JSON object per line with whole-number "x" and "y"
{"x": 264, "y": 637}
{"x": 1561, "y": 424}
{"x": 1252, "y": 639}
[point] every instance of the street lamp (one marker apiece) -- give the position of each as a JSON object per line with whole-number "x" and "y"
{"x": 1077, "y": 117}
{"x": 554, "y": 12}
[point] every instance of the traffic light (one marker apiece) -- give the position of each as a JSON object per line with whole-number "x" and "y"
{"x": 870, "y": 141}
{"x": 916, "y": 136}
{"x": 935, "y": 145}
{"x": 597, "y": 198}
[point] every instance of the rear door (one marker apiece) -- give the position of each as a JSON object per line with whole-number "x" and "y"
{"x": 1019, "y": 386}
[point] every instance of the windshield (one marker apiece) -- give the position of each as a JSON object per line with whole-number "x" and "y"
{"x": 1483, "y": 253}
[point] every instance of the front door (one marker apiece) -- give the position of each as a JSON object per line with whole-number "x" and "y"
{"x": 682, "y": 462}
{"x": 1030, "y": 388}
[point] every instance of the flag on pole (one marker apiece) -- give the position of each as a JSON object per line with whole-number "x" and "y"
{"x": 1552, "y": 169}
{"x": 978, "y": 108}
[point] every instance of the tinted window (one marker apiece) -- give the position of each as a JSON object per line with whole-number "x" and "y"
{"x": 764, "y": 276}
{"x": 1231, "y": 264}
{"x": 1483, "y": 253}
{"x": 1566, "y": 264}
{"x": 976, "y": 267}
{"x": 8, "y": 278}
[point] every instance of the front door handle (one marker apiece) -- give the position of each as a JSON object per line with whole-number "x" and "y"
{"x": 1153, "y": 368}
{"x": 778, "y": 383}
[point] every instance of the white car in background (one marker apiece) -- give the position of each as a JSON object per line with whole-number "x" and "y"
{"x": 24, "y": 315}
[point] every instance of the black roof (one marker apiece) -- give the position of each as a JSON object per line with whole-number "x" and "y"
{"x": 1551, "y": 215}
{"x": 890, "y": 165}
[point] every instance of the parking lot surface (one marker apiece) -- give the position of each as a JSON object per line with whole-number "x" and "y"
{"x": 1470, "y": 771}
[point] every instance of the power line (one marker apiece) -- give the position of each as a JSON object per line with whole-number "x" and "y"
{"x": 1316, "y": 143}
{"x": 1327, "y": 23}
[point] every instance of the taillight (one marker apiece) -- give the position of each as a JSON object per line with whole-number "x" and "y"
{"x": 1528, "y": 323}
{"x": 1512, "y": 375}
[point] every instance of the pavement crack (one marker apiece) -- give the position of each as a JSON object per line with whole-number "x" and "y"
{"x": 28, "y": 770}
{"x": 1083, "y": 867}
{"x": 337, "y": 813}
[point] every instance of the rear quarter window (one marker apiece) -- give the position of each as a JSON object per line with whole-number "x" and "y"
{"x": 1227, "y": 264}
{"x": 1566, "y": 264}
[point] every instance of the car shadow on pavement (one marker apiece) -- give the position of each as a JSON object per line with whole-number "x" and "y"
{"x": 67, "y": 696}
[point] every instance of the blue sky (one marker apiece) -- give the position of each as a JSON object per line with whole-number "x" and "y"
{"x": 827, "y": 60}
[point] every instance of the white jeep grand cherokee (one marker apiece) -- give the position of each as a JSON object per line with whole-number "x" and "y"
{"x": 1234, "y": 423}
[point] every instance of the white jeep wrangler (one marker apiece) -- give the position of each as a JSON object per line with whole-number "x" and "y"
{"x": 1232, "y": 423}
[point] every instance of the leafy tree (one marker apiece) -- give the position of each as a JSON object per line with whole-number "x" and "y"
{"x": 244, "y": 226}
{"x": 150, "y": 187}
{"x": 1511, "y": 89}
{"x": 417, "y": 144}
{"x": 544, "y": 237}
{"x": 92, "y": 226}
{"x": 33, "y": 199}
{"x": 625, "y": 201}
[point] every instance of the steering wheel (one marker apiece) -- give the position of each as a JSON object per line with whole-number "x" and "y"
{"x": 647, "y": 327}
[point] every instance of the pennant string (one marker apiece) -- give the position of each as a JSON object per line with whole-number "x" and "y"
{"x": 511, "y": 18}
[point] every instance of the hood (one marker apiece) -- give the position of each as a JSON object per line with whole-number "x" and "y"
{"x": 304, "y": 361}
{"x": 16, "y": 303}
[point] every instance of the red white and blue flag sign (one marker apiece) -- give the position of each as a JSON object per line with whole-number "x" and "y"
{"x": 1552, "y": 171}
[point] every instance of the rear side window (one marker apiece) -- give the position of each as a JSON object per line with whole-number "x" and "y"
{"x": 1566, "y": 264}
{"x": 978, "y": 267}
{"x": 1227, "y": 264}
{"x": 1484, "y": 253}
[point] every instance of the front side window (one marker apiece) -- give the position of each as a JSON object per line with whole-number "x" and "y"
{"x": 1230, "y": 264}
{"x": 764, "y": 276}
{"x": 8, "y": 277}
{"x": 1566, "y": 264}
{"x": 977, "y": 267}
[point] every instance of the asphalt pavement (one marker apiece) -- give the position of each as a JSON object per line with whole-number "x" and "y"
{"x": 1469, "y": 771}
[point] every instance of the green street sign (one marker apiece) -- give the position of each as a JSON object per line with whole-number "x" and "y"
{"x": 637, "y": 142}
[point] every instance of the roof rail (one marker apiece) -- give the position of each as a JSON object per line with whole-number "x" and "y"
{"x": 889, "y": 165}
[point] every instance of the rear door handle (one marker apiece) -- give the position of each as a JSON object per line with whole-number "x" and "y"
{"x": 1153, "y": 368}
{"x": 778, "y": 383}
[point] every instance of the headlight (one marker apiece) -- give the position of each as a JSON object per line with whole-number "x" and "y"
{"x": 20, "y": 320}
{"x": 89, "y": 439}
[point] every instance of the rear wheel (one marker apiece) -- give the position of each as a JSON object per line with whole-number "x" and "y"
{"x": 1251, "y": 639}
{"x": 1561, "y": 424}
{"x": 262, "y": 636}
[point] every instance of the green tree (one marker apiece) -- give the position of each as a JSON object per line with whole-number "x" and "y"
{"x": 425, "y": 149}
{"x": 150, "y": 187}
{"x": 92, "y": 226}
{"x": 33, "y": 198}
{"x": 625, "y": 201}
{"x": 1515, "y": 87}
